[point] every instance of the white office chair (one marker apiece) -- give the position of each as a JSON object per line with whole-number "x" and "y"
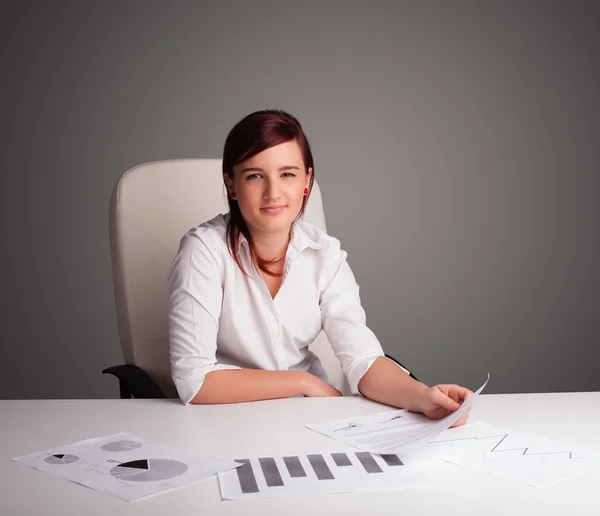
{"x": 152, "y": 206}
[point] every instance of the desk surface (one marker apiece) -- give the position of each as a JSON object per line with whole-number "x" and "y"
{"x": 276, "y": 426}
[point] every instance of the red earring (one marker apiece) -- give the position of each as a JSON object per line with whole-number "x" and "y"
{"x": 306, "y": 191}
{"x": 232, "y": 195}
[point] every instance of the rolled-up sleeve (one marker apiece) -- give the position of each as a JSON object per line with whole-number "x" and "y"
{"x": 195, "y": 296}
{"x": 344, "y": 320}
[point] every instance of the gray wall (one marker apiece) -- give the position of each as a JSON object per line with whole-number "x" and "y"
{"x": 457, "y": 146}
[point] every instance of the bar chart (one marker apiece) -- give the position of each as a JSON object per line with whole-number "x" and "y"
{"x": 339, "y": 472}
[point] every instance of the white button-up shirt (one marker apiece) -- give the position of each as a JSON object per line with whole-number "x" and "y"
{"x": 220, "y": 318}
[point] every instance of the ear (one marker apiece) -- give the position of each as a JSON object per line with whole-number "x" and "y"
{"x": 308, "y": 174}
{"x": 228, "y": 183}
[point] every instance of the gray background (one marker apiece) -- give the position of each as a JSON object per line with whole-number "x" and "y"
{"x": 456, "y": 144}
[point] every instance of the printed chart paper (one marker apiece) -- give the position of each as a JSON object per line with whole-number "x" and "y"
{"x": 126, "y": 466}
{"x": 397, "y": 431}
{"x": 263, "y": 477}
{"x": 526, "y": 458}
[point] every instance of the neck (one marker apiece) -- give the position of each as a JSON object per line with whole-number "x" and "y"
{"x": 270, "y": 246}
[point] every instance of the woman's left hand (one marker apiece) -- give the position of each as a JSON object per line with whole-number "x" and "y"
{"x": 441, "y": 400}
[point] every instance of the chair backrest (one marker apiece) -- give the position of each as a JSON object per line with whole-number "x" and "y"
{"x": 151, "y": 208}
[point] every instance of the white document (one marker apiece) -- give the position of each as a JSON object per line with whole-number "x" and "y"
{"x": 397, "y": 431}
{"x": 126, "y": 466}
{"x": 526, "y": 458}
{"x": 265, "y": 477}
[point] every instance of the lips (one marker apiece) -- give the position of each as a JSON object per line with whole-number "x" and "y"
{"x": 273, "y": 210}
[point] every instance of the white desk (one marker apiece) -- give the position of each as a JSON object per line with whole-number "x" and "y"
{"x": 272, "y": 427}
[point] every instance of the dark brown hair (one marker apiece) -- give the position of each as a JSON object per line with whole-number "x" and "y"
{"x": 253, "y": 134}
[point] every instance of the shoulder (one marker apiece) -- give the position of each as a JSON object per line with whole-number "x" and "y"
{"x": 206, "y": 242}
{"x": 326, "y": 247}
{"x": 211, "y": 234}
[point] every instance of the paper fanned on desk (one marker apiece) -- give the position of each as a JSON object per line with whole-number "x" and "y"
{"x": 397, "y": 431}
{"x": 126, "y": 466}
{"x": 529, "y": 459}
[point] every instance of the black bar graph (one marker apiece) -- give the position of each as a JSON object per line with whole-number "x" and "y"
{"x": 368, "y": 462}
{"x": 341, "y": 459}
{"x": 272, "y": 475}
{"x": 320, "y": 466}
{"x": 246, "y": 477}
{"x": 392, "y": 460}
{"x": 259, "y": 475}
{"x": 294, "y": 467}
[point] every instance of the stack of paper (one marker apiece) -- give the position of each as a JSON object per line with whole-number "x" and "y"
{"x": 396, "y": 431}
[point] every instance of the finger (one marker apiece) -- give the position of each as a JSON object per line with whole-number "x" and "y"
{"x": 457, "y": 393}
{"x": 466, "y": 393}
{"x": 459, "y": 422}
{"x": 444, "y": 401}
{"x": 462, "y": 419}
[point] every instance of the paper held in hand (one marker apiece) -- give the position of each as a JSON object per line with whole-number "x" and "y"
{"x": 397, "y": 431}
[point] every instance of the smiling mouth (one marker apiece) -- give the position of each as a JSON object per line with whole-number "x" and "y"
{"x": 272, "y": 209}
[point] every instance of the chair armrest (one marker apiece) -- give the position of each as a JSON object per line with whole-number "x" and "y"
{"x": 134, "y": 381}
{"x": 397, "y": 362}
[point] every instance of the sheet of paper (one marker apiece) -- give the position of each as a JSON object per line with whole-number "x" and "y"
{"x": 526, "y": 458}
{"x": 396, "y": 431}
{"x": 126, "y": 466}
{"x": 294, "y": 474}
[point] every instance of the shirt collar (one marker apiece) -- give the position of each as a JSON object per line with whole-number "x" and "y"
{"x": 300, "y": 239}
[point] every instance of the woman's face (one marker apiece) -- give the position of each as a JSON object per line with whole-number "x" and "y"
{"x": 269, "y": 187}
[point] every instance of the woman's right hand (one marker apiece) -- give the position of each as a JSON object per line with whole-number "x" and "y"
{"x": 313, "y": 386}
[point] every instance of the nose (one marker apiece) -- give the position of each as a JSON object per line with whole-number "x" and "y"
{"x": 272, "y": 190}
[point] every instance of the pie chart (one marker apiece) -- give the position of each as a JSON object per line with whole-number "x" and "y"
{"x": 116, "y": 446}
{"x": 61, "y": 458}
{"x": 148, "y": 470}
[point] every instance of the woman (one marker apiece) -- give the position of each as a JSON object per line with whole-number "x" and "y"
{"x": 250, "y": 290}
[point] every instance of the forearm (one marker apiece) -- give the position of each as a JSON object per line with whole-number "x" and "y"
{"x": 240, "y": 385}
{"x": 386, "y": 383}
